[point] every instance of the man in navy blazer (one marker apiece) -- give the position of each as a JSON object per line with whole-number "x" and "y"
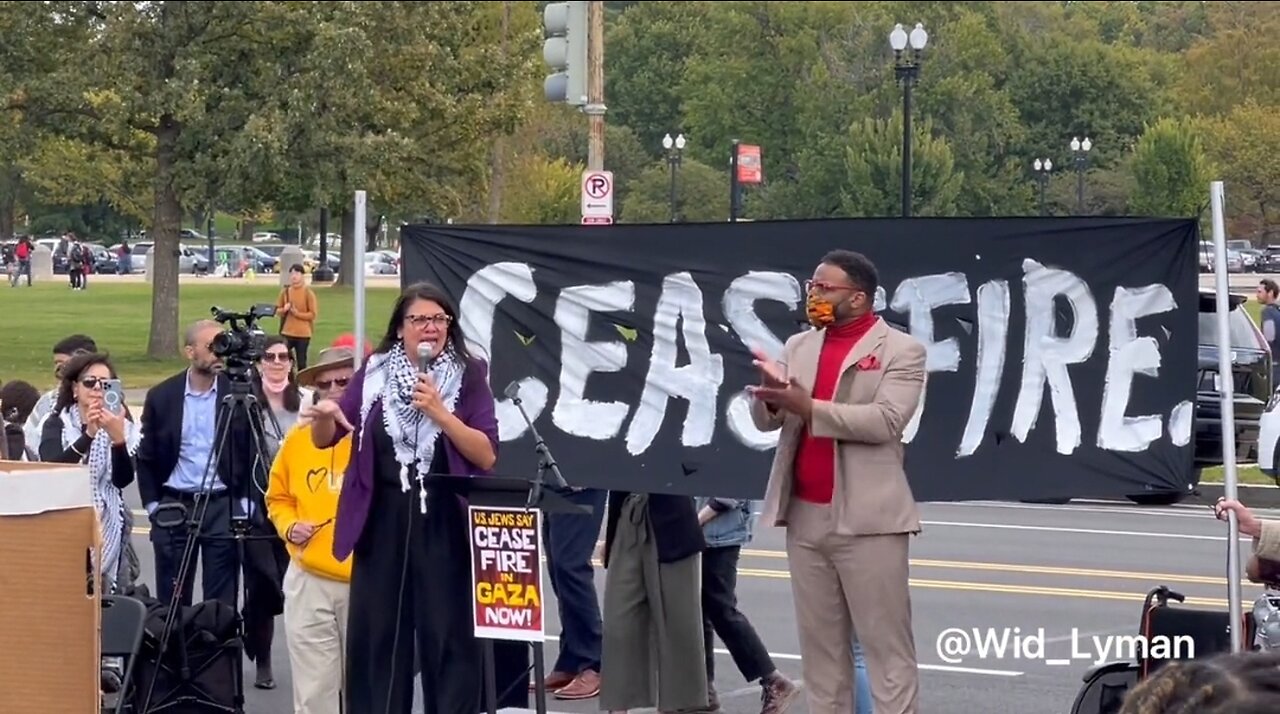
{"x": 179, "y": 431}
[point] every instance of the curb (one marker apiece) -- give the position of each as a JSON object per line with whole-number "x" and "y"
{"x": 1251, "y": 495}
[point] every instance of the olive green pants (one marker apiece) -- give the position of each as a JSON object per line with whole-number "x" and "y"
{"x": 652, "y": 653}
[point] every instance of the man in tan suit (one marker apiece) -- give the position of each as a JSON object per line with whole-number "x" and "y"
{"x": 842, "y": 396}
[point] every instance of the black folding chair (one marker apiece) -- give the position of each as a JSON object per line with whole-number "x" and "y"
{"x": 123, "y": 623}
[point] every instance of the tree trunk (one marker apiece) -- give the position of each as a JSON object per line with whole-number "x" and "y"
{"x": 372, "y": 224}
{"x": 10, "y": 179}
{"x": 347, "y": 255}
{"x": 247, "y": 228}
{"x": 163, "y": 340}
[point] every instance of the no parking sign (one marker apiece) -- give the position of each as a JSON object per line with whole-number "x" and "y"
{"x": 597, "y": 197}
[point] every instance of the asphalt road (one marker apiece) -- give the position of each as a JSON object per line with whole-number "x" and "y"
{"x": 1083, "y": 568}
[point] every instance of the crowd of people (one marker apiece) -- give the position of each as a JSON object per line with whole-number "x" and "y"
{"x": 367, "y": 558}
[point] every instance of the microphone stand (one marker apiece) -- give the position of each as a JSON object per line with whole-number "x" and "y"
{"x": 546, "y": 462}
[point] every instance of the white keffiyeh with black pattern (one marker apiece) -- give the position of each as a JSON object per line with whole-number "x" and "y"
{"x": 391, "y": 377}
{"x": 108, "y": 499}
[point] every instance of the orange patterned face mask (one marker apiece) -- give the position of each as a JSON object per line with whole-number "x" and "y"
{"x": 821, "y": 312}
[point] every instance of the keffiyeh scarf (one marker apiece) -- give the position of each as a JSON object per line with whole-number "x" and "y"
{"x": 391, "y": 377}
{"x": 108, "y": 500}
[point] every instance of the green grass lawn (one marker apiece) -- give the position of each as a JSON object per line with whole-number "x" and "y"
{"x": 118, "y": 316}
{"x": 1244, "y": 474}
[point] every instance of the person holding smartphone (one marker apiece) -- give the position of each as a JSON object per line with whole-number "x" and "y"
{"x": 82, "y": 430}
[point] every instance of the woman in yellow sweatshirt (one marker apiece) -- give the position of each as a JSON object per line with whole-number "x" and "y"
{"x": 302, "y": 503}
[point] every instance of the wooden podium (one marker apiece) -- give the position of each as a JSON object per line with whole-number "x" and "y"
{"x": 512, "y": 494}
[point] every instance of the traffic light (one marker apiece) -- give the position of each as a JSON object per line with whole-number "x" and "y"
{"x": 565, "y": 50}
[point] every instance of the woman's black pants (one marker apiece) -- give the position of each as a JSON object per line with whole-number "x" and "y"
{"x": 430, "y": 615}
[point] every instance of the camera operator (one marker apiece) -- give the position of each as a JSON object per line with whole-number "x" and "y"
{"x": 179, "y": 418}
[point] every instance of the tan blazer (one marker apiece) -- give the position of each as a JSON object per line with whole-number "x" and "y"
{"x": 867, "y": 417}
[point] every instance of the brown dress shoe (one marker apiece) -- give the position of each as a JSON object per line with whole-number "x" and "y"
{"x": 585, "y": 686}
{"x": 554, "y": 681}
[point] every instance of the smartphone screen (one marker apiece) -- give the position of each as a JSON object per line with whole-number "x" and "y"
{"x": 113, "y": 396}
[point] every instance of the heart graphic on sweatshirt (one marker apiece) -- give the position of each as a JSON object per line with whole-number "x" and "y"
{"x": 316, "y": 477}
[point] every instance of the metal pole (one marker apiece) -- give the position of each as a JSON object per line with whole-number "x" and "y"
{"x": 1080, "y": 185}
{"x": 357, "y": 280}
{"x": 213, "y": 263}
{"x": 1226, "y": 398}
{"x": 906, "y": 145}
{"x": 733, "y": 182}
{"x": 671, "y": 161}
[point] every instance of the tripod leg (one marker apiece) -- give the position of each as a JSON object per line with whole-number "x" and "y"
{"x": 195, "y": 524}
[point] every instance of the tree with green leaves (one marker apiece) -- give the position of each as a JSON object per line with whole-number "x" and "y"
{"x": 1244, "y": 145}
{"x": 399, "y": 99}
{"x": 42, "y": 42}
{"x": 701, "y": 192}
{"x": 1170, "y": 171}
{"x": 147, "y": 113}
{"x": 873, "y": 165}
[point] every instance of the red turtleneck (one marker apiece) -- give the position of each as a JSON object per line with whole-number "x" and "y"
{"x": 815, "y": 465}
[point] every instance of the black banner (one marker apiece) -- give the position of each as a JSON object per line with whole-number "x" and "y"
{"x": 1062, "y": 351}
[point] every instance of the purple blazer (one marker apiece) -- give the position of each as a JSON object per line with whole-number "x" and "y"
{"x": 474, "y": 407}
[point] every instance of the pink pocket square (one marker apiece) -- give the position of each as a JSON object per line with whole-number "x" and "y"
{"x": 868, "y": 364}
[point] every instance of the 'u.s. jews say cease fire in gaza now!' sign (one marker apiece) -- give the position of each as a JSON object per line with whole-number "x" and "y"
{"x": 506, "y": 572}
{"x": 1062, "y": 352}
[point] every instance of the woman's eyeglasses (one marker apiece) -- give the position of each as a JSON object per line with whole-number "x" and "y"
{"x": 326, "y": 383}
{"x": 94, "y": 383}
{"x": 420, "y": 321}
{"x": 276, "y": 357}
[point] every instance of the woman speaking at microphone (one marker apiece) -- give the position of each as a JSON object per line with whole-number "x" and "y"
{"x": 410, "y": 579}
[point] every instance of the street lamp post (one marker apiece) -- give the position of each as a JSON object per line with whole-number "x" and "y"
{"x": 1042, "y": 168}
{"x": 1080, "y": 153}
{"x": 907, "y": 70}
{"x": 674, "y": 148}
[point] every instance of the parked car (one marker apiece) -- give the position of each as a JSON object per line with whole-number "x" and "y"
{"x": 104, "y": 261}
{"x": 1271, "y": 259}
{"x": 1250, "y": 256}
{"x": 1250, "y": 386}
{"x": 236, "y": 257}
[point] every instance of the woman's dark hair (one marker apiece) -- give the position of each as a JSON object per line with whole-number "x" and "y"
{"x": 1244, "y": 683}
{"x": 292, "y": 396}
{"x": 71, "y": 372}
{"x": 425, "y": 291}
{"x": 18, "y": 399}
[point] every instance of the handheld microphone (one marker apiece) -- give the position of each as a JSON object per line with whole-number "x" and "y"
{"x": 512, "y": 392}
{"x": 425, "y": 352}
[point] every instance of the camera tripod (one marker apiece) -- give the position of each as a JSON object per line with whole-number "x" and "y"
{"x": 240, "y": 407}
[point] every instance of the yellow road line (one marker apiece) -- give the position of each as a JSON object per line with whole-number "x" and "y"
{"x": 1039, "y": 569}
{"x": 1002, "y": 588}
{"x": 1019, "y": 589}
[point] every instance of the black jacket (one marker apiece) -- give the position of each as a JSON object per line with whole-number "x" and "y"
{"x": 674, "y": 521}
{"x": 162, "y": 439}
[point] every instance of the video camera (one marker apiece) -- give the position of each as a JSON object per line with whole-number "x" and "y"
{"x": 245, "y": 343}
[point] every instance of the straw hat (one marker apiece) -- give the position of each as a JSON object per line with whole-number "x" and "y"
{"x": 330, "y": 358}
